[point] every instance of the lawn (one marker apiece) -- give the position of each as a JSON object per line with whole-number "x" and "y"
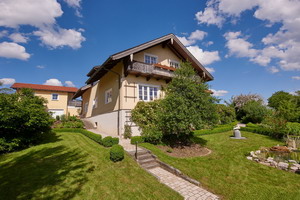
{"x": 228, "y": 173}
{"x": 72, "y": 166}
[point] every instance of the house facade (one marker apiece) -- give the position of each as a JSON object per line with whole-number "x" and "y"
{"x": 59, "y": 98}
{"x": 125, "y": 78}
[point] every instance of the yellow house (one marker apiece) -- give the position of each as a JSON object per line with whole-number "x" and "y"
{"x": 136, "y": 74}
{"x": 59, "y": 98}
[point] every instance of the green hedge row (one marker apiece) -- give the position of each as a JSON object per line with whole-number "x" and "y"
{"x": 97, "y": 138}
{"x": 218, "y": 129}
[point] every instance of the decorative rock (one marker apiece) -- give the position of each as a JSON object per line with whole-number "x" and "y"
{"x": 292, "y": 161}
{"x": 249, "y": 157}
{"x": 296, "y": 165}
{"x": 257, "y": 152}
{"x": 266, "y": 163}
{"x": 274, "y": 163}
{"x": 270, "y": 159}
{"x": 294, "y": 169}
{"x": 282, "y": 165}
{"x": 256, "y": 159}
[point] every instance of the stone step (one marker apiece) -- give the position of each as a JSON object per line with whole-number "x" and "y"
{"x": 144, "y": 161}
{"x": 150, "y": 165}
{"x": 145, "y": 156}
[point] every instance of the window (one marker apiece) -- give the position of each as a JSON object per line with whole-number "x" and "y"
{"x": 55, "y": 97}
{"x": 174, "y": 64}
{"x": 150, "y": 59}
{"x": 95, "y": 102}
{"x": 108, "y": 96}
{"x": 148, "y": 93}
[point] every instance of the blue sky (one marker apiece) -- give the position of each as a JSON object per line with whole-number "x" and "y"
{"x": 249, "y": 46}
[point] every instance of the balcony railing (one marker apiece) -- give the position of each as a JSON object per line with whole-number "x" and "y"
{"x": 74, "y": 103}
{"x": 144, "y": 69}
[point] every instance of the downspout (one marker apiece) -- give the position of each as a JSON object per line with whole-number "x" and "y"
{"x": 119, "y": 103}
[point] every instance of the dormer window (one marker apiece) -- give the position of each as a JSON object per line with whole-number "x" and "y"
{"x": 150, "y": 59}
{"x": 174, "y": 64}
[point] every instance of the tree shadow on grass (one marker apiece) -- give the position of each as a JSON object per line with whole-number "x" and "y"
{"x": 50, "y": 173}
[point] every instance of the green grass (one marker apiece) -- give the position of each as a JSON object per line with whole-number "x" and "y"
{"x": 72, "y": 166}
{"x": 229, "y": 174}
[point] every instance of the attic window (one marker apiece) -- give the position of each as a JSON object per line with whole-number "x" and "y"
{"x": 150, "y": 59}
{"x": 174, "y": 64}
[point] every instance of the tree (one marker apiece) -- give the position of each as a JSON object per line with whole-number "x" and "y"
{"x": 23, "y": 118}
{"x": 238, "y": 102}
{"x": 226, "y": 114}
{"x": 277, "y": 98}
{"x": 254, "y": 112}
{"x": 186, "y": 106}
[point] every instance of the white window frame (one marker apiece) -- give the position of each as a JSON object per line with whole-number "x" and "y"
{"x": 148, "y": 92}
{"x": 54, "y": 99}
{"x": 174, "y": 61}
{"x": 95, "y": 103}
{"x": 107, "y": 99}
{"x": 151, "y": 55}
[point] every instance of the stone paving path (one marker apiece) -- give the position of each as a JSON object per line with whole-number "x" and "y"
{"x": 186, "y": 189}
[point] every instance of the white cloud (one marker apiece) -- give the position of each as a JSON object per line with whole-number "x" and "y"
{"x": 235, "y": 7}
{"x": 296, "y": 77}
{"x": 29, "y": 12}
{"x": 13, "y": 50}
{"x": 219, "y": 93}
{"x": 209, "y": 16}
{"x": 193, "y": 38}
{"x": 204, "y": 57}
{"x": 3, "y": 33}
{"x": 208, "y": 43}
{"x": 53, "y": 81}
{"x": 40, "y": 66}
{"x": 61, "y": 37}
{"x": 185, "y": 41}
{"x": 239, "y": 46}
{"x": 76, "y": 4}
{"x": 197, "y": 35}
{"x": 7, "y": 81}
{"x": 273, "y": 70}
{"x": 69, "y": 84}
{"x": 282, "y": 46}
{"x": 18, "y": 38}
{"x": 210, "y": 69}
{"x": 42, "y": 15}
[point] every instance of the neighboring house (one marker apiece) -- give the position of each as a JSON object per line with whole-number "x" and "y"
{"x": 136, "y": 74}
{"x": 59, "y": 98}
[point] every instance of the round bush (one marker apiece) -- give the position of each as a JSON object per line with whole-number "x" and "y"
{"x": 138, "y": 139}
{"x": 116, "y": 153}
{"x": 109, "y": 141}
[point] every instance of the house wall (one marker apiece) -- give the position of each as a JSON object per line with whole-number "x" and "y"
{"x": 61, "y": 103}
{"x": 163, "y": 54}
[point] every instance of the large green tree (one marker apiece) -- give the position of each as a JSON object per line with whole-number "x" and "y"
{"x": 188, "y": 105}
{"x": 23, "y": 118}
{"x": 277, "y": 99}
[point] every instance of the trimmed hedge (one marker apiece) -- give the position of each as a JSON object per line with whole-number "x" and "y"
{"x": 218, "y": 129}
{"x": 97, "y": 138}
{"x": 116, "y": 153}
{"x": 138, "y": 139}
{"x": 110, "y": 141}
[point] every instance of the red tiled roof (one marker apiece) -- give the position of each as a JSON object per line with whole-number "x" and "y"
{"x": 44, "y": 87}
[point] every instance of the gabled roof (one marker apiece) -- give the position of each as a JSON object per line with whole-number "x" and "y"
{"x": 170, "y": 40}
{"x": 44, "y": 87}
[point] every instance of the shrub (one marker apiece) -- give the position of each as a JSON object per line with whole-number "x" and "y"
{"x": 254, "y": 111}
{"x": 152, "y": 135}
{"x": 138, "y": 139}
{"x": 109, "y": 141}
{"x": 293, "y": 128}
{"x": 97, "y": 138}
{"x": 57, "y": 118}
{"x": 218, "y": 129}
{"x": 116, "y": 153}
{"x": 72, "y": 124}
{"x": 127, "y": 132}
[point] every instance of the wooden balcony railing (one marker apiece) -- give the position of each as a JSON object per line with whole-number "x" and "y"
{"x": 149, "y": 70}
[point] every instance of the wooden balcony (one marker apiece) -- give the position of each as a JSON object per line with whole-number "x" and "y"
{"x": 156, "y": 71}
